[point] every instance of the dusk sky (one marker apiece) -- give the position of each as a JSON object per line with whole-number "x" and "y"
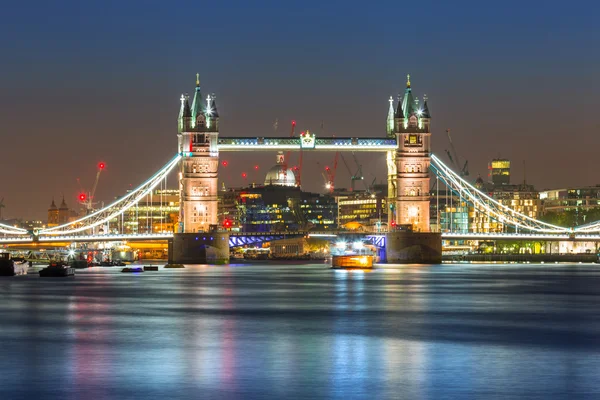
{"x": 83, "y": 82}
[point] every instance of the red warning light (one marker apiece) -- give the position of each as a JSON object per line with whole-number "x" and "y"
{"x": 326, "y": 168}
{"x": 294, "y": 122}
{"x": 227, "y": 223}
{"x": 244, "y": 175}
{"x": 256, "y": 167}
{"x": 224, "y": 163}
{"x": 82, "y": 197}
{"x": 101, "y": 165}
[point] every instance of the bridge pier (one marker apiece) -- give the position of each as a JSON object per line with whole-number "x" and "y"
{"x": 199, "y": 248}
{"x": 413, "y": 247}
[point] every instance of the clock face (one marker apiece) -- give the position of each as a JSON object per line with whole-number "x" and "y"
{"x": 412, "y": 139}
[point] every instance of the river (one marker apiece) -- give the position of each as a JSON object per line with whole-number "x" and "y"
{"x": 303, "y": 331}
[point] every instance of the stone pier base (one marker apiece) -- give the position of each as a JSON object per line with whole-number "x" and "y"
{"x": 413, "y": 247}
{"x": 199, "y": 248}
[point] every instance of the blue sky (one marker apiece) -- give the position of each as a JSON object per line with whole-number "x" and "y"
{"x": 89, "y": 81}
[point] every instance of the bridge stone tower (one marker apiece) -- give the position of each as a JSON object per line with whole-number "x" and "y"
{"x": 412, "y": 128}
{"x": 198, "y": 131}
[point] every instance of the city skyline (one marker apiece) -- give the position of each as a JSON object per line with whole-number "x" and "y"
{"x": 105, "y": 87}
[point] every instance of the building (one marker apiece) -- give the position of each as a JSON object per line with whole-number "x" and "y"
{"x": 198, "y": 132}
{"x": 367, "y": 209}
{"x": 279, "y": 205}
{"x": 571, "y": 206}
{"x": 412, "y": 128}
{"x": 523, "y": 198}
{"x": 500, "y": 171}
{"x": 278, "y": 208}
{"x": 60, "y": 215}
{"x": 156, "y": 213}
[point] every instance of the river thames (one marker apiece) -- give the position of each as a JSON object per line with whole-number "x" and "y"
{"x": 304, "y": 331}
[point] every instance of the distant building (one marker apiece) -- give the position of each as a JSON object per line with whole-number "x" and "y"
{"x": 500, "y": 171}
{"x": 156, "y": 213}
{"x": 52, "y": 214}
{"x": 522, "y": 198}
{"x": 276, "y": 208}
{"x": 571, "y": 206}
{"x": 369, "y": 209}
{"x": 59, "y": 215}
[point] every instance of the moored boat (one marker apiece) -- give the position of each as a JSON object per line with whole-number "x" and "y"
{"x": 57, "y": 270}
{"x": 9, "y": 266}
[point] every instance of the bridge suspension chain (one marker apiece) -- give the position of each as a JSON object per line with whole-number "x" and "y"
{"x": 487, "y": 205}
{"x": 115, "y": 209}
{"x": 11, "y": 230}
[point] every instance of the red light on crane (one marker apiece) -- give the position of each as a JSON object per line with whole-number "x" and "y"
{"x": 101, "y": 165}
{"x": 244, "y": 175}
{"x": 293, "y": 122}
{"x": 256, "y": 167}
{"x": 82, "y": 197}
{"x": 224, "y": 163}
{"x": 327, "y": 169}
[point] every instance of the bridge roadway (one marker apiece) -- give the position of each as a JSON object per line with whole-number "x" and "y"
{"x": 236, "y": 238}
{"x": 520, "y": 236}
{"x": 240, "y": 238}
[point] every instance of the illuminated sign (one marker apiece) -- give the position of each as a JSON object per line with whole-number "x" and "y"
{"x": 307, "y": 140}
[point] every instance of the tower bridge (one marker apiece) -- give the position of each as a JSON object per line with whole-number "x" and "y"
{"x": 407, "y": 147}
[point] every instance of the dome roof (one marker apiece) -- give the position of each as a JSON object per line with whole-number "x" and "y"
{"x": 276, "y": 176}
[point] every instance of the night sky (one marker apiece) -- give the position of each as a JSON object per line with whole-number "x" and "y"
{"x": 83, "y": 82}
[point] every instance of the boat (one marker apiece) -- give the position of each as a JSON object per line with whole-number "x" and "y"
{"x": 57, "y": 269}
{"x": 11, "y": 267}
{"x": 349, "y": 261}
{"x": 352, "y": 256}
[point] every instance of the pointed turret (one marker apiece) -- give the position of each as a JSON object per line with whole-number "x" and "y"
{"x": 399, "y": 110}
{"x": 408, "y": 103}
{"x": 390, "y": 118}
{"x": 197, "y": 107}
{"x": 425, "y": 110}
{"x": 185, "y": 114}
{"x": 213, "y": 106}
{"x": 63, "y": 205}
{"x": 53, "y": 205}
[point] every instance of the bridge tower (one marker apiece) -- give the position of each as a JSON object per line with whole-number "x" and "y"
{"x": 198, "y": 131}
{"x": 412, "y": 128}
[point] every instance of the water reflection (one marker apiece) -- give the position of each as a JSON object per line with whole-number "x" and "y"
{"x": 502, "y": 331}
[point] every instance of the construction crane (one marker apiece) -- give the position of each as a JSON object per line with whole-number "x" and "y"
{"x": 287, "y": 156}
{"x": 86, "y": 199}
{"x": 330, "y": 178}
{"x": 357, "y": 176}
{"x": 464, "y": 170}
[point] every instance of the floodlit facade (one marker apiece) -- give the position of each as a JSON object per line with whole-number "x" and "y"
{"x": 412, "y": 128}
{"x": 198, "y": 128}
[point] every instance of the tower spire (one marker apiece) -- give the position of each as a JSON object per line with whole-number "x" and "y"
{"x": 197, "y": 106}
{"x": 407, "y": 80}
{"x": 390, "y": 118}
